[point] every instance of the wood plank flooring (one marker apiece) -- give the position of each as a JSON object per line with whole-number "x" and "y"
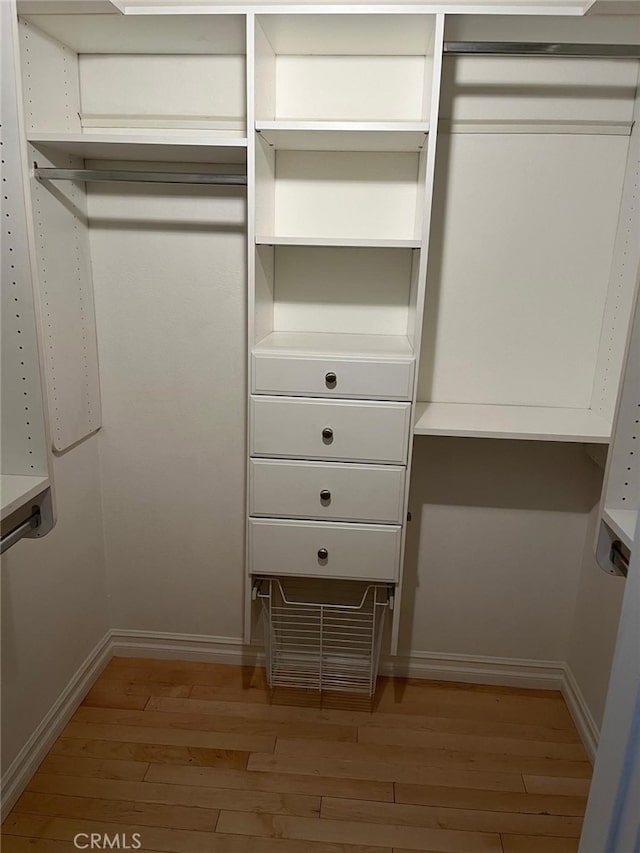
{"x": 200, "y": 758}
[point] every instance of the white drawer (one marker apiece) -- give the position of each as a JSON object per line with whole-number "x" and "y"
{"x": 368, "y": 551}
{"x": 332, "y": 377}
{"x": 335, "y": 430}
{"x": 327, "y": 491}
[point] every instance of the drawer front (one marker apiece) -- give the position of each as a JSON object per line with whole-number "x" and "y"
{"x": 327, "y": 491}
{"x": 327, "y": 377}
{"x": 319, "y": 429}
{"x": 364, "y": 551}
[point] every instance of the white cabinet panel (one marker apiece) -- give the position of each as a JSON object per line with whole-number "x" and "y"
{"x": 326, "y": 491}
{"x": 318, "y": 549}
{"x": 321, "y": 429}
{"x": 332, "y": 377}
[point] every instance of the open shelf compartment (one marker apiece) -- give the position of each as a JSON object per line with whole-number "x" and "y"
{"x": 322, "y": 635}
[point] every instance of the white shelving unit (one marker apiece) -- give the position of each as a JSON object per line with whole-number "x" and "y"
{"x": 530, "y": 286}
{"x": 620, "y": 504}
{"x": 343, "y": 180}
{"x": 25, "y": 477}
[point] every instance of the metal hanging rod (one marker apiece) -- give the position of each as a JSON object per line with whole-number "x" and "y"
{"x": 136, "y": 177}
{"x": 507, "y": 48}
{"x": 21, "y": 531}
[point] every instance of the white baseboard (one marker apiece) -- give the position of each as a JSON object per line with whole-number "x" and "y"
{"x": 195, "y": 647}
{"x": 26, "y": 762}
{"x": 506, "y": 672}
{"x": 579, "y": 710}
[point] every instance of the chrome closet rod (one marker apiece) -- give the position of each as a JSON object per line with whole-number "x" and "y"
{"x": 508, "y": 48}
{"x": 21, "y": 531}
{"x": 136, "y": 177}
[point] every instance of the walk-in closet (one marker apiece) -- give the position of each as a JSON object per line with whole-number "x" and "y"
{"x": 320, "y": 402}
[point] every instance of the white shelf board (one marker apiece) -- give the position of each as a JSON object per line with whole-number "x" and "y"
{"x": 623, "y": 523}
{"x": 182, "y": 148}
{"x": 534, "y": 126}
{"x": 323, "y": 344}
{"x": 343, "y": 135}
{"x": 17, "y": 489}
{"x": 363, "y": 242}
{"x": 535, "y": 423}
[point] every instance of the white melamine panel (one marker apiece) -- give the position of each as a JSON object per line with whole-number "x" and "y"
{"x": 313, "y": 377}
{"x": 50, "y": 83}
{"x": 623, "y": 282}
{"x": 24, "y": 443}
{"x": 350, "y": 35}
{"x": 351, "y": 194}
{"x": 511, "y": 88}
{"x": 344, "y": 135}
{"x": 170, "y": 34}
{"x": 342, "y": 290}
{"x": 365, "y": 88}
{"x": 519, "y": 268}
{"x": 522, "y": 422}
{"x": 65, "y": 278}
{"x": 129, "y": 86}
{"x": 367, "y": 551}
{"x": 362, "y": 432}
{"x": 372, "y": 493}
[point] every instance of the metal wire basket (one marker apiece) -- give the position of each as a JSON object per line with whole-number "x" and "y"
{"x": 323, "y": 635}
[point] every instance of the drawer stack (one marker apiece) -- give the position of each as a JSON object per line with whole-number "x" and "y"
{"x": 328, "y": 443}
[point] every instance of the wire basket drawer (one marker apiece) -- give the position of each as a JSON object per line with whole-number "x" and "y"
{"x": 323, "y": 635}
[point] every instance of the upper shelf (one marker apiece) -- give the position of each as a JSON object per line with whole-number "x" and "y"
{"x": 344, "y": 135}
{"x": 19, "y": 489}
{"x": 157, "y": 147}
{"x": 534, "y": 423}
{"x": 356, "y": 242}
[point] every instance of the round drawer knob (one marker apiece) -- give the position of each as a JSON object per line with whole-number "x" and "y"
{"x": 330, "y": 379}
{"x": 325, "y": 495}
{"x": 323, "y": 554}
{"x": 327, "y": 434}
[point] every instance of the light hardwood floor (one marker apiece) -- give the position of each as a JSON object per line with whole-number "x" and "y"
{"x": 197, "y": 758}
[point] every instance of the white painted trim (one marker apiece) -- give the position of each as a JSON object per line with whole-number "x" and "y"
{"x": 26, "y": 762}
{"x": 579, "y": 710}
{"x": 195, "y": 647}
{"x": 504, "y": 672}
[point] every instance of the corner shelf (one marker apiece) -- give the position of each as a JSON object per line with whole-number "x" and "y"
{"x": 622, "y": 522}
{"x": 19, "y": 489}
{"x": 344, "y": 135}
{"x": 175, "y": 147}
{"x": 533, "y": 423}
{"x": 356, "y": 242}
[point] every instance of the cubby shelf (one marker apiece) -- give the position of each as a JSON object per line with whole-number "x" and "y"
{"x": 622, "y": 522}
{"x": 356, "y": 242}
{"x": 534, "y": 423}
{"x": 344, "y": 135}
{"x": 179, "y": 147}
{"x": 18, "y": 489}
{"x": 323, "y": 344}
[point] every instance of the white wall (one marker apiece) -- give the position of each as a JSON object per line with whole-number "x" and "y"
{"x": 595, "y": 626}
{"x": 495, "y": 546}
{"x": 54, "y": 609}
{"x": 170, "y": 287}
